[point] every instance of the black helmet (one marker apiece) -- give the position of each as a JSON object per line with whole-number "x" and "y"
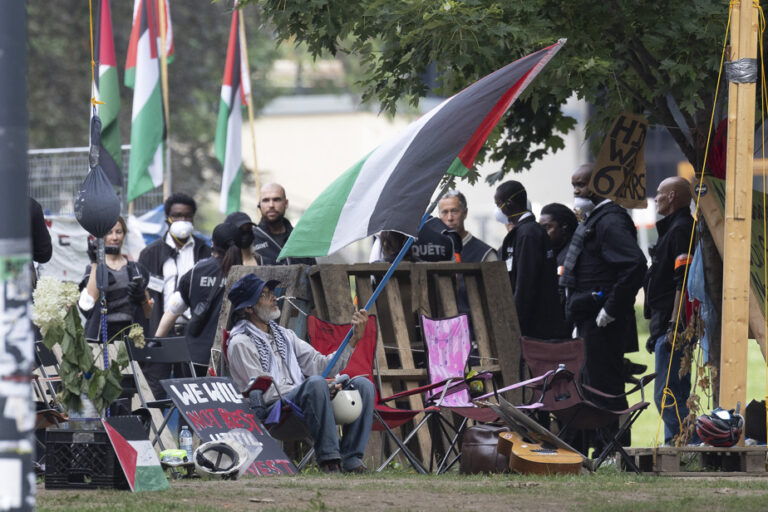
{"x": 721, "y": 428}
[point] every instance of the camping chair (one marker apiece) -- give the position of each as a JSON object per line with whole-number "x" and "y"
{"x": 326, "y": 337}
{"x": 448, "y": 347}
{"x": 159, "y": 350}
{"x": 571, "y": 401}
{"x": 44, "y": 387}
{"x": 286, "y": 423}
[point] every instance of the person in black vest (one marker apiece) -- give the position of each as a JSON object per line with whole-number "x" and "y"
{"x": 453, "y": 212}
{"x": 663, "y": 290}
{"x": 603, "y": 271}
{"x": 127, "y": 300}
{"x": 201, "y": 290}
{"x": 274, "y": 229}
{"x": 530, "y": 260}
{"x": 167, "y": 259}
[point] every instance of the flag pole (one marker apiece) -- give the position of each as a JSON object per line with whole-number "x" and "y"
{"x": 244, "y": 50}
{"x": 164, "y": 85}
{"x": 390, "y": 271}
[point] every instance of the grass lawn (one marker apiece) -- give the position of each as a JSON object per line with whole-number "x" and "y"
{"x": 645, "y": 428}
{"x": 607, "y": 490}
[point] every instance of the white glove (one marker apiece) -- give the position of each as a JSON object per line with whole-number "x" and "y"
{"x": 603, "y": 318}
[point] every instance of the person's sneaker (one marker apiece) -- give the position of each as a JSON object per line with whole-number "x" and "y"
{"x": 329, "y": 466}
{"x": 358, "y": 469}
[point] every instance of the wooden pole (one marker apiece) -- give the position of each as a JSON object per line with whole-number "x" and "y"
{"x": 164, "y": 84}
{"x": 738, "y": 213}
{"x": 249, "y": 96}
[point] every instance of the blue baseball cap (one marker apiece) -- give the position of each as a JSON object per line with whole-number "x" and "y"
{"x": 247, "y": 290}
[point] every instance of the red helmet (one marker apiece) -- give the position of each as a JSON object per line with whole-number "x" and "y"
{"x": 721, "y": 428}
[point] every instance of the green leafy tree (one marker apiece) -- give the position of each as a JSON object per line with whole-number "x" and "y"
{"x": 658, "y": 59}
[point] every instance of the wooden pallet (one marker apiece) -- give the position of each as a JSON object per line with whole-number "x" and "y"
{"x": 429, "y": 289}
{"x": 708, "y": 460}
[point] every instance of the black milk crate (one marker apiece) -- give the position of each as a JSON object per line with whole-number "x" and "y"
{"x": 81, "y": 459}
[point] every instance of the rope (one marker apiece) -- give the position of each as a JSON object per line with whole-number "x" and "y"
{"x": 680, "y": 308}
{"x": 94, "y": 101}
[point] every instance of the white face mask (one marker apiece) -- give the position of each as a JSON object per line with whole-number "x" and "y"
{"x": 583, "y": 207}
{"x": 500, "y": 217}
{"x": 181, "y": 229}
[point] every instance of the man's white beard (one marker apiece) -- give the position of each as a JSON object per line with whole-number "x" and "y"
{"x": 267, "y": 313}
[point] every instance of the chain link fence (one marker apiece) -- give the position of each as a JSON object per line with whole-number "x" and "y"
{"x": 55, "y": 176}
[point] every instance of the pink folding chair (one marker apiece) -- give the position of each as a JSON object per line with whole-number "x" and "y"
{"x": 448, "y": 347}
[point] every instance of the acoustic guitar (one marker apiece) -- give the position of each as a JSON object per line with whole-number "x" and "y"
{"x": 528, "y": 455}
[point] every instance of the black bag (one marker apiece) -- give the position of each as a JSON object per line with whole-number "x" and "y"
{"x": 201, "y": 313}
{"x": 479, "y": 450}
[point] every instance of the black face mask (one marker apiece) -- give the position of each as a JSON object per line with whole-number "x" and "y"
{"x": 111, "y": 249}
{"x": 246, "y": 239}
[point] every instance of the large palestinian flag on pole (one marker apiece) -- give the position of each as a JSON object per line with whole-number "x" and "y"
{"x": 106, "y": 89}
{"x": 142, "y": 73}
{"x": 136, "y": 455}
{"x": 390, "y": 188}
{"x": 235, "y": 90}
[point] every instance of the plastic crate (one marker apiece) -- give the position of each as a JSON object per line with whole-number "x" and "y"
{"x": 81, "y": 459}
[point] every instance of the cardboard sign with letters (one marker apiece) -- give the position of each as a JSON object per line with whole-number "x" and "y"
{"x": 212, "y": 407}
{"x": 620, "y": 167}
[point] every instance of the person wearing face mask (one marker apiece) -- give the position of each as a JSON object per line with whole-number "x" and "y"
{"x": 245, "y": 239}
{"x": 167, "y": 259}
{"x": 127, "y": 300}
{"x": 530, "y": 260}
{"x": 603, "y": 270}
{"x": 201, "y": 291}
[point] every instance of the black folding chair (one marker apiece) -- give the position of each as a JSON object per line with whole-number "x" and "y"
{"x": 159, "y": 350}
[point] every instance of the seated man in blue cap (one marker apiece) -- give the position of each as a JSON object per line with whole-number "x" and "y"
{"x": 260, "y": 347}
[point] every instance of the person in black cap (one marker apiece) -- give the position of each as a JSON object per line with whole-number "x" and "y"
{"x": 258, "y": 346}
{"x": 530, "y": 260}
{"x": 201, "y": 290}
{"x": 243, "y": 222}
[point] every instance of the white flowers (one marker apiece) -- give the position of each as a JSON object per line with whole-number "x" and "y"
{"x": 51, "y": 300}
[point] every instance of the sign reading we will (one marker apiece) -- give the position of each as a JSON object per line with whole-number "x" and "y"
{"x": 212, "y": 407}
{"x": 620, "y": 167}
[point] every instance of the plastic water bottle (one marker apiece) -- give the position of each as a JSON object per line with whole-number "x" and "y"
{"x": 185, "y": 441}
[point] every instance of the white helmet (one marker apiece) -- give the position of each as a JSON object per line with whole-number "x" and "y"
{"x": 227, "y": 458}
{"x": 347, "y": 406}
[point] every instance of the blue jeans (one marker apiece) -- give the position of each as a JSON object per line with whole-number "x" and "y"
{"x": 680, "y": 388}
{"x": 314, "y": 398}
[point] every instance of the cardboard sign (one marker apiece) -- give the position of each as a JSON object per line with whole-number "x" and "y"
{"x": 212, "y": 407}
{"x": 620, "y": 167}
{"x": 134, "y": 451}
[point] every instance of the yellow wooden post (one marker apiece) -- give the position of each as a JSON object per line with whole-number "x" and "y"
{"x": 738, "y": 212}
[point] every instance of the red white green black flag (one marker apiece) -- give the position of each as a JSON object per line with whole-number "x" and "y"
{"x": 235, "y": 90}
{"x": 142, "y": 73}
{"x": 389, "y": 189}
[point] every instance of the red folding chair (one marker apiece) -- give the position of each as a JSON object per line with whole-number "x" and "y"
{"x": 326, "y": 337}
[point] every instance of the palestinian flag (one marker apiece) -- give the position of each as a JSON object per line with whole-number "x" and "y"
{"x": 390, "y": 188}
{"x": 145, "y": 168}
{"x": 136, "y": 455}
{"x": 235, "y": 89}
{"x": 106, "y": 89}
{"x": 130, "y": 63}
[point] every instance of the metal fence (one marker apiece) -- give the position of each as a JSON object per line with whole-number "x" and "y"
{"x": 55, "y": 176}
